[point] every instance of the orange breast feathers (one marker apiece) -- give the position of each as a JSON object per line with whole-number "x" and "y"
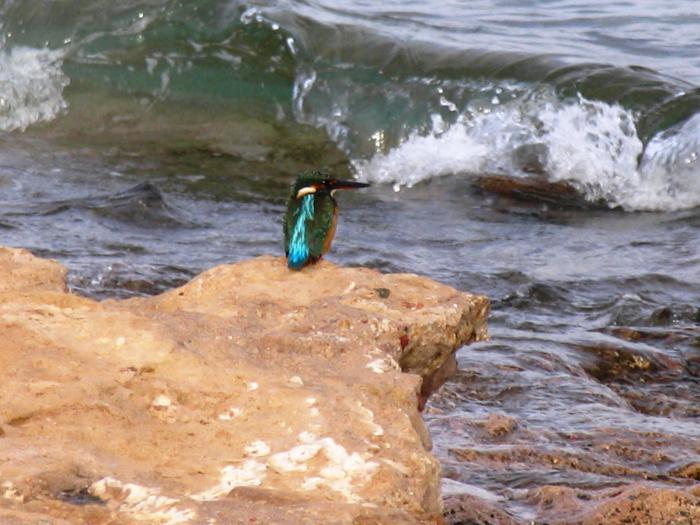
{"x": 331, "y": 231}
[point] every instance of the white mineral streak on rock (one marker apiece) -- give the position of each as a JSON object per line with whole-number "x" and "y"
{"x": 250, "y": 474}
{"x": 161, "y": 402}
{"x": 350, "y": 288}
{"x": 312, "y": 483}
{"x": 382, "y": 365}
{"x": 343, "y": 472}
{"x": 307, "y": 437}
{"x": 378, "y": 366}
{"x": 252, "y": 385}
{"x": 368, "y": 417}
{"x": 164, "y": 407}
{"x": 310, "y": 401}
{"x": 397, "y": 466}
{"x": 332, "y": 473}
{"x": 9, "y": 492}
{"x": 230, "y": 414}
{"x": 257, "y": 448}
{"x": 357, "y": 470}
{"x": 141, "y": 503}
{"x": 296, "y": 381}
{"x": 380, "y": 327}
{"x": 295, "y": 459}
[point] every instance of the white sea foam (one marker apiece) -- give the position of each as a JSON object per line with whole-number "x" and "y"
{"x": 671, "y": 167}
{"x": 592, "y": 145}
{"x": 31, "y": 87}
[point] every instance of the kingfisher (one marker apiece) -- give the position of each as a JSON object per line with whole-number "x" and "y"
{"x": 311, "y": 217}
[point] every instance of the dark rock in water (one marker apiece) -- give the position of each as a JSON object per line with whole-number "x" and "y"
{"x": 536, "y": 189}
{"x": 610, "y": 362}
{"x": 641, "y": 504}
{"x": 500, "y": 425}
{"x": 662, "y": 316}
{"x": 466, "y": 509}
{"x": 687, "y": 469}
{"x": 672, "y": 314}
{"x": 634, "y": 504}
{"x": 554, "y": 502}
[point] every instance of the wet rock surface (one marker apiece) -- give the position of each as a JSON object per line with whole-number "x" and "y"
{"x": 472, "y": 510}
{"x": 636, "y": 504}
{"x": 250, "y": 394}
{"x": 600, "y": 476}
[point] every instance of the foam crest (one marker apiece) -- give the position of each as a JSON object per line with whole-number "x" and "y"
{"x": 591, "y": 145}
{"x": 31, "y": 87}
{"x": 422, "y": 157}
{"x": 594, "y": 146}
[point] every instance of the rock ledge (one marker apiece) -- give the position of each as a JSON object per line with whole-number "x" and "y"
{"x": 250, "y": 395}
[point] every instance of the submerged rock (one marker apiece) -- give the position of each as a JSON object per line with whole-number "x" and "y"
{"x": 639, "y": 503}
{"x": 251, "y": 394}
{"x": 536, "y": 189}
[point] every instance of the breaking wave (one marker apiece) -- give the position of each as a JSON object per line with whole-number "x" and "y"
{"x": 31, "y": 87}
{"x": 594, "y": 146}
{"x": 402, "y": 110}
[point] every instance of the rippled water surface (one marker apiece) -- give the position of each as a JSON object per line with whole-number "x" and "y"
{"x": 542, "y": 153}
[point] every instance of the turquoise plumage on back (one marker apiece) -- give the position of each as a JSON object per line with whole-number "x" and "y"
{"x": 311, "y": 216}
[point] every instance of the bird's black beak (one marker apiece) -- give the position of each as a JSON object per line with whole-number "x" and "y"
{"x": 345, "y": 184}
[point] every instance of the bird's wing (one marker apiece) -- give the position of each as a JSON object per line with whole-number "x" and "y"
{"x": 290, "y": 219}
{"x": 299, "y": 222}
{"x": 321, "y": 227}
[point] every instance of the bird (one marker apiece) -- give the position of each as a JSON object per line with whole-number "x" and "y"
{"x": 311, "y": 217}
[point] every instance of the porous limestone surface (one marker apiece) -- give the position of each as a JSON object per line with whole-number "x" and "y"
{"x": 250, "y": 395}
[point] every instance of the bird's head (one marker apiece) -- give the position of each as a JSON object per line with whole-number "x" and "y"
{"x": 320, "y": 183}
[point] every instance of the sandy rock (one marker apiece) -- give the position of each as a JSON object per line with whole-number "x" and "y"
{"x": 689, "y": 469}
{"x": 554, "y": 502}
{"x": 500, "y": 425}
{"x": 646, "y": 505}
{"x": 471, "y": 505}
{"x": 638, "y": 504}
{"x": 251, "y": 394}
{"x": 21, "y": 271}
{"x": 466, "y": 509}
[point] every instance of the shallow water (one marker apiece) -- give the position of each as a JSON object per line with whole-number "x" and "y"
{"x": 144, "y": 142}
